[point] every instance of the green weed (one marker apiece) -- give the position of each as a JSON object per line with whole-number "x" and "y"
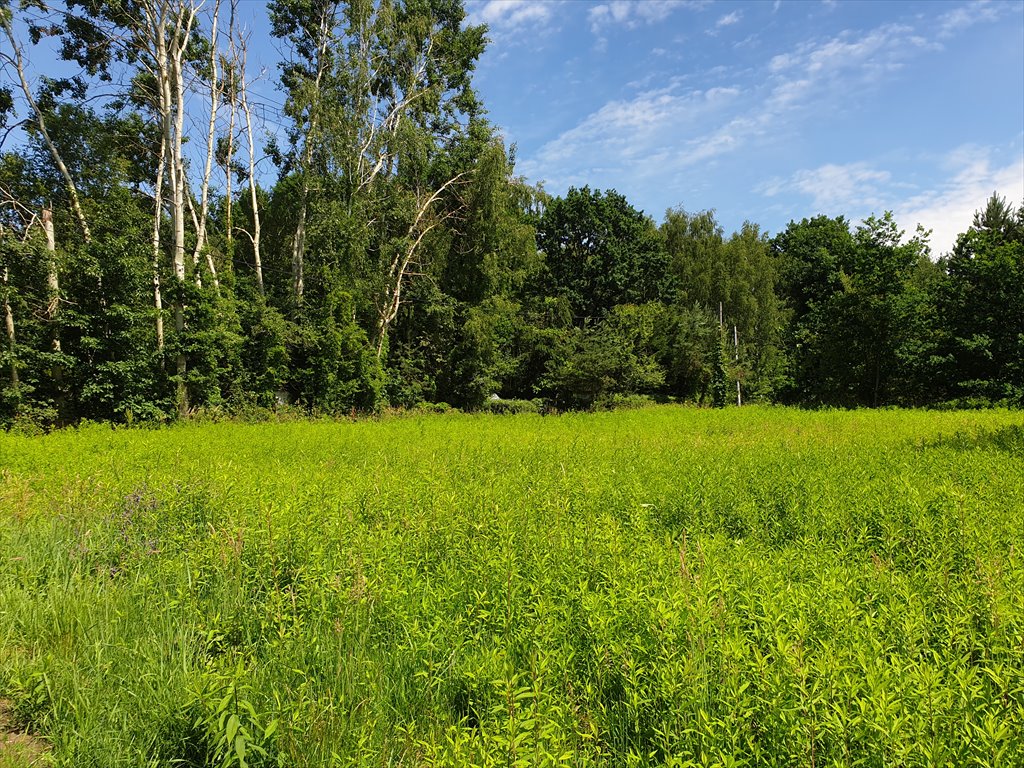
{"x": 662, "y": 586}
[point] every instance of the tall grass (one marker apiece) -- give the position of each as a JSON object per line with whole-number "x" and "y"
{"x": 667, "y": 586}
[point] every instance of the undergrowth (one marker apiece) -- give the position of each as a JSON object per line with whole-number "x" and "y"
{"x": 665, "y": 586}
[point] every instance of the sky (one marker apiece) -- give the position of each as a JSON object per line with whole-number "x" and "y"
{"x": 765, "y": 111}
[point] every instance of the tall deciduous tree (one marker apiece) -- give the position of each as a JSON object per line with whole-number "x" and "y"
{"x": 395, "y": 79}
{"x": 15, "y": 60}
{"x": 982, "y": 306}
{"x": 734, "y": 280}
{"x": 600, "y": 252}
{"x": 848, "y": 295}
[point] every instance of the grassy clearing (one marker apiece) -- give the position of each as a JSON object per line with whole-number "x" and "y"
{"x": 659, "y": 587}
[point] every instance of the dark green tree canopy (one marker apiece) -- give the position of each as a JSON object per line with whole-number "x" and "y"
{"x": 600, "y": 252}
{"x": 395, "y": 259}
{"x": 982, "y": 307}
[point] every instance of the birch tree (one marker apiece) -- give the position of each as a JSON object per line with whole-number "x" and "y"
{"x": 395, "y": 78}
{"x": 12, "y": 359}
{"x": 226, "y": 147}
{"x": 9, "y": 329}
{"x": 164, "y": 37}
{"x": 52, "y": 280}
{"x": 15, "y": 60}
{"x": 311, "y": 30}
{"x": 216, "y": 86}
{"x": 158, "y": 204}
{"x": 254, "y": 236}
{"x": 26, "y": 219}
{"x": 153, "y": 37}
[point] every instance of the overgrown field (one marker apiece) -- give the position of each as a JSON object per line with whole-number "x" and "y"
{"x": 668, "y": 586}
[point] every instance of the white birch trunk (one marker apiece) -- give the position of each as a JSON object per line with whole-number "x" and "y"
{"x": 178, "y": 159}
{"x": 216, "y": 90}
{"x": 299, "y": 240}
{"x": 53, "y": 306}
{"x": 299, "y": 246}
{"x": 158, "y": 213}
{"x": 9, "y": 328}
{"x": 253, "y": 198}
{"x": 387, "y": 311}
{"x": 178, "y": 222}
{"x": 52, "y": 280}
{"x": 736, "y": 347}
{"x": 232, "y": 111}
{"x": 168, "y": 53}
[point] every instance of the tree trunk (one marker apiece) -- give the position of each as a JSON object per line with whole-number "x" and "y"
{"x": 52, "y": 281}
{"x": 299, "y": 240}
{"x": 232, "y": 110}
{"x": 254, "y": 200}
{"x": 387, "y": 310}
{"x": 53, "y": 310}
{"x": 157, "y": 220}
{"x": 241, "y": 60}
{"x": 172, "y": 111}
{"x": 299, "y": 248}
{"x": 181, "y": 199}
{"x": 736, "y": 347}
{"x": 9, "y": 327}
{"x": 216, "y": 90}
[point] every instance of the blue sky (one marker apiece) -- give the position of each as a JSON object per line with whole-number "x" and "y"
{"x": 767, "y": 111}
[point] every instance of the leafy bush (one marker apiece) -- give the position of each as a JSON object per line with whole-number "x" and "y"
{"x": 514, "y": 406}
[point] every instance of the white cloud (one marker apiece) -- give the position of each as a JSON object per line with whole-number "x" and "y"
{"x": 652, "y": 11}
{"x": 781, "y": 62}
{"x": 659, "y": 137}
{"x": 834, "y": 188}
{"x": 881, "y": 50}
{"x": 729, "y": 19}
{"x": 964, "y": 16}
{"x": 508, "y": 14}
{"x": 638, "y": 136}
{"x": 631, "y": 13}
{"x": 818, "y": 72}
{"x": 659, "y": 133}
{"x": 948, "y": 209}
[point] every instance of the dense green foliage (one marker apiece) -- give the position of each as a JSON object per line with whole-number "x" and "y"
{"x": 386, "y": 255}
{"x": 665, "y": 586}
{"x": 658, "y": 586}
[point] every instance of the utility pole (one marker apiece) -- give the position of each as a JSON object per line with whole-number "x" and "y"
{"x": 736, "y": 359}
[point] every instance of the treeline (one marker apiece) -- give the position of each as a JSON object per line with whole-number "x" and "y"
{"x": 149, "y": 269}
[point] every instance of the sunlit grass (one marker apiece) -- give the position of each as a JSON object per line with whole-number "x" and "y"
{"x": 668, "y": 586}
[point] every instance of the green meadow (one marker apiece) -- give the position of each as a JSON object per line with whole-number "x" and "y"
{"x": 660, "y": 587}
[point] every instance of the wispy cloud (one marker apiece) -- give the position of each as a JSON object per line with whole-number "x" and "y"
{"x": 630, "y": 13}
{"x": 661, "y": 132}
{"x": 948, "y": 208}
{"x": 673, "y": 136}
{"x": 729, "y": 19}
{"x": 965, "y": 16}
{"x": 637, "y": 137}
{"x": 877, "y": 52}
{"x": 509, "y": 14}
{"x": 835, "y": 188}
